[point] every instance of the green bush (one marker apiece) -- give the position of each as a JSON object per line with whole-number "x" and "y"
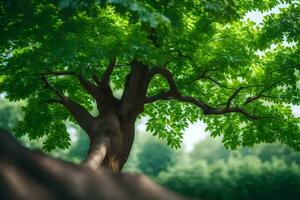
{"x": 237, "y": 178}
{"x": 211, "y": 172}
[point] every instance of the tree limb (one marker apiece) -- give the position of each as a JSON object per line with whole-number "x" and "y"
{"x": 49, "y": 86}
{"x": 228, "y": 103}
{"x": 173, "y": 93}
{"x": 217, "y": 82}
{"x": 80, "y": 114}
{"x": 87, "y": 85}
{"x": 108, "y": 71}
{"x": 261, "y": 93}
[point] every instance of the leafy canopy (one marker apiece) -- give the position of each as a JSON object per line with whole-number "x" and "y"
{"x": 204, "y": 50}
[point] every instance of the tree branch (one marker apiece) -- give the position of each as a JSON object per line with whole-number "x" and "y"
{"x": 165, "y": 73}
{"x": 108, "y": 71}
{"x": 88, "y": 86}
{"x": 217, "y": 82}
{"x": 173, "y": 93}
{"x": 81, "y": 115}
{"x": 49, "y": 86}
{"x": 203, "y": 75}
{"x": 228, "y": 103}
{"x": 261, "y": 93}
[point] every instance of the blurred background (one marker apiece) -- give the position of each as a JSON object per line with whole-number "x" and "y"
{"x": 204, "y": 169}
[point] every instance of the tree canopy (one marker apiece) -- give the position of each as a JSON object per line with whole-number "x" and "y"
{"x": 201, "y": 58}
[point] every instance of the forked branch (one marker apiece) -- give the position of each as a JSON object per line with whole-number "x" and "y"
{"x": 80, "y": 114}
{"x": 266, "y": 89}
{"x": 173, "y": 93}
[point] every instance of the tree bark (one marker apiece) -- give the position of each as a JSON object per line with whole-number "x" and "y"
{"x": 116, "y": 121}
{"x": 110, "y": 141}
{"x": 27, "y": 174}
{"x": 97, "y": 152}
{"x": 112, "y": 132}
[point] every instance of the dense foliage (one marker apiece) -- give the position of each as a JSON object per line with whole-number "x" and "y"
{"x": 203, "y": 55}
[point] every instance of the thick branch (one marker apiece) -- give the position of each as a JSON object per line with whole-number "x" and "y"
{"x": 102, "y": 94}
{"x": 97, "y": 152}
{"x": 82, "y": 116}
{"x": 88, "y": 86}
{"x": 173, "y": 93}
{"x": 167, "y": 74}
{"x": 215, "y": 111}
{"x": 135, "y": 89}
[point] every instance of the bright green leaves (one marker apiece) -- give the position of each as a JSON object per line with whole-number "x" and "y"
{"x": 44, "y": 121}
{"x": 221, "y": 11}
{"x": 59, "y": 138}
{"x": 18, "y": 88}
{"x": 85, "y": 41}
{"x": 279, "y": 126}
{"x": 277, "y": 26}
{"x": 168, "y": 119}
{"x": 157, "y": 84}
{"x": 142, "y": 11}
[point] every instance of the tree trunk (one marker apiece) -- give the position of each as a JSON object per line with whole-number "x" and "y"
{"x": 110, "y": 142}
{"x": 97, "y": 152}
{"x": 26, "y": 174}
{"x": 112, "y": 132}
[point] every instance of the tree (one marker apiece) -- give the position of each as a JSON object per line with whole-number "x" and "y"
{"x": 267, "y": 171}
{"x": 10, "y": 114}
{"x": 173, "y": 61}
{"x": 244, "y": 177}
{"x": 155, "y": 157}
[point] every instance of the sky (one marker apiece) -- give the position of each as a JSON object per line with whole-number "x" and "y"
{"x": 196, "y": 132}
{"x": 257, "y": 16}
